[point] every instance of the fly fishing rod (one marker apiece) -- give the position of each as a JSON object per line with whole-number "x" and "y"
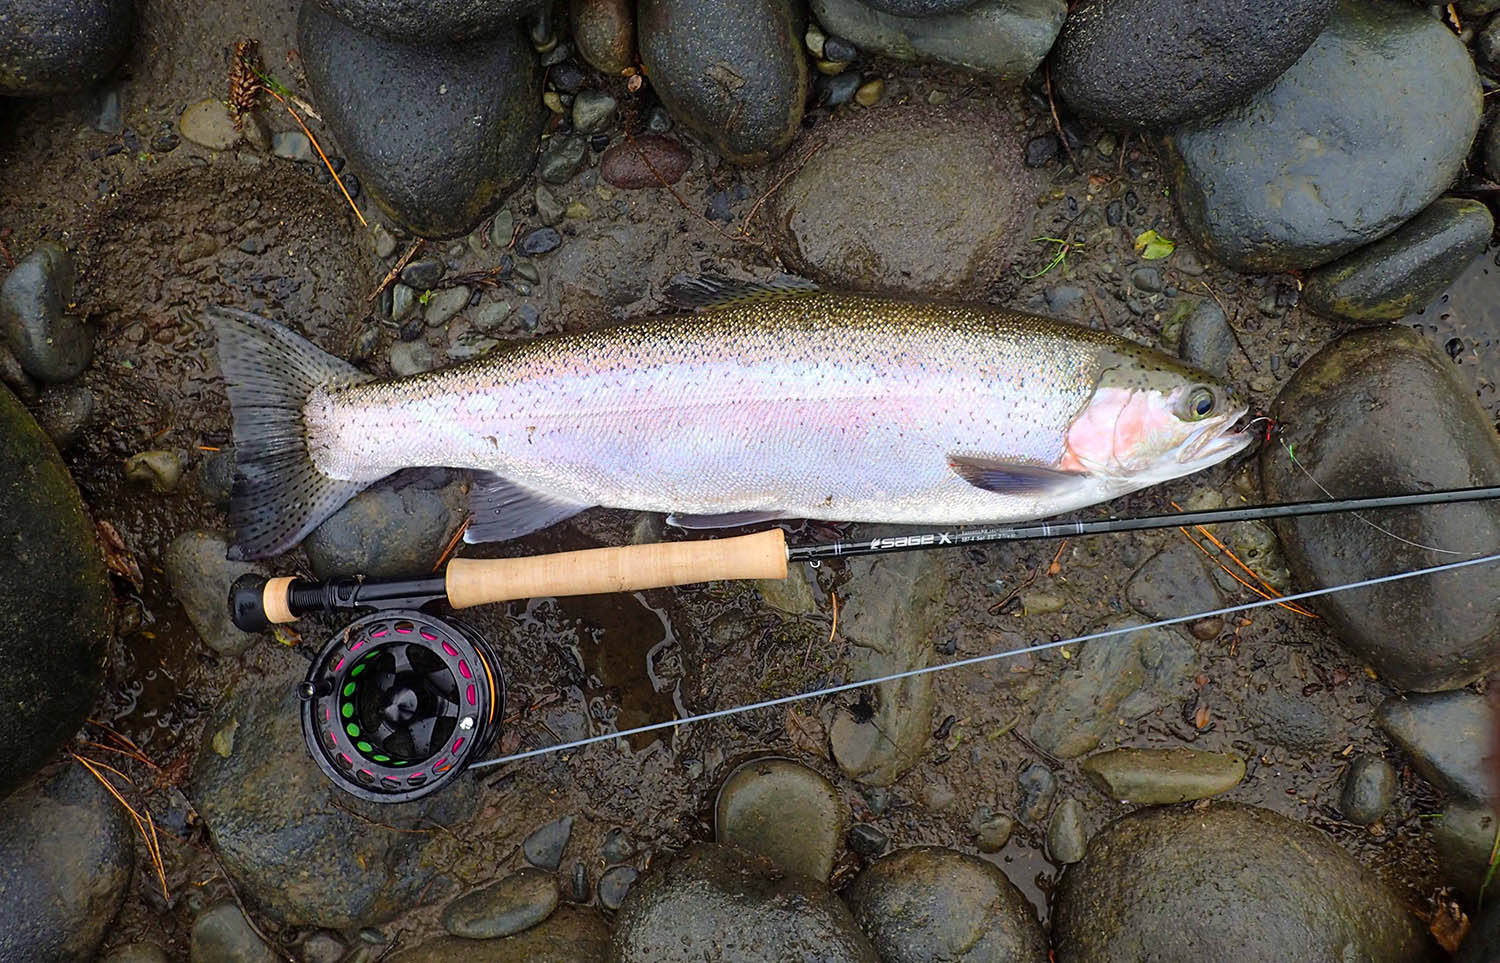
{"x": 401, "y": 701}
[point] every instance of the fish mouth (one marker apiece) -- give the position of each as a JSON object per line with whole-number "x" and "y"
{"x": 1218, "y": 439}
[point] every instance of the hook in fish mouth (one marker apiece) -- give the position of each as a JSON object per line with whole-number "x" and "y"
{"x": 1218, "y": 439}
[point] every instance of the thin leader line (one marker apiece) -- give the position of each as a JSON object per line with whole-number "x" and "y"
{"x": 974, "y": 660}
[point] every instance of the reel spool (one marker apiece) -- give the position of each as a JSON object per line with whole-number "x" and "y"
{"x": 399, "y": 702}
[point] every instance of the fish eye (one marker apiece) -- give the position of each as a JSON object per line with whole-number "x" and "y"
{"x": 1200, "y": 403}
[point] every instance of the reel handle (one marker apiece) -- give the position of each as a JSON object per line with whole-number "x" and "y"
{"x": 594, "y": 571}
{"x": 256, "y": 602}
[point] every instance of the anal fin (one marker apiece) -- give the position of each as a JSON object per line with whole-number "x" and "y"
{"x": 501, "y": 509}
{"x": 1011, "y": 478}
{"x": 724, "y": 520}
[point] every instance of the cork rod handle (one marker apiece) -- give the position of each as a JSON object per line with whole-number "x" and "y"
{"x": 474, "y": 581}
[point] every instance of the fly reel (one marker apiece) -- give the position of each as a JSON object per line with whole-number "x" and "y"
{"x": 399, "y": 702}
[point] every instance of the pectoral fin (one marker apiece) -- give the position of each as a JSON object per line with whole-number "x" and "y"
{"x": 1011, "y": 478}
{"x": 501, "y": 509}
{"x": 726, "y": 520}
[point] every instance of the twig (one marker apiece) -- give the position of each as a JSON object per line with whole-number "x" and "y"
{"x": 319, "y": 148}
{"x": 452, "y": 543}
{"x": 744, "y": 230}
{"x": 1057, "y": 123}
{"x": 395, "y": 270}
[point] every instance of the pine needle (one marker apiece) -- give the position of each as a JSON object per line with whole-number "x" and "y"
{"x": 145, "y": 826}
{"x": 1265, "y": 591}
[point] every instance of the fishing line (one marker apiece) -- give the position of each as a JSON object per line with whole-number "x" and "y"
{"x": 974, "y": 660}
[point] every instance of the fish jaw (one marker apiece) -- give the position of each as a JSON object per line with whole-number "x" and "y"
{"x": 1136, "y": 438}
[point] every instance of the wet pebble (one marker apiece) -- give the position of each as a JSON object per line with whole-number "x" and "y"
{"x": 208, "y": 124}
{"x": 412, "y": 357}
{"x": 444, "y": 304}
{"x": 1448, "y": 735}
{"x": 838, "y": 90}
{"x": 700, "y": 62}
{"x": 549, "y": 210}
{"x": 1401, "y": 272}
{"x": 222, "y": 935}
{"x": 928, "y": 903}
{"x": 520, "y": 900}
{"x": 605, "y": 33}
{"x": 617, "y": 847}
{"x": 865, "y": 840}
{"x": 650, "y": 161}
{"x": 718, "y": 902}
{"x": 784, "y": 811}
{"x": 322, "y": 948}
{"x": 1154, "y": 777}
{"x": 491, "y": 314}
{"x": 200, "y": 577}
{"x": 540, "y": 241}
{"x": 1464, "y": 836}
{"x": 422, "y": 274}
{"x": 1228, "y": 882}
{"x": 1173, "y": 581}
{"x": 1037, "y": 787}
{"x": 396, "y": 527}
{"x": 544, "y": 847}
{"x": 382, "y": 242}
{"x": 593, "y": 111}
{"x": 1065, "y": 833}
{"x": 51, "y": 344}
{"x": 1369, "y": 789}
{"x": 1001, "y": 38}
{"x": 615, "y": 885}
{"x": 562, "y": 157}
{"x": 63, "y": 412}
{"x": 1381, "y": 410}
{"x": 159, "y": 468}
{"x": 1205, "y": 339}
{"x": 992, "y": 831}
{"x": 870, "y": 92}
{"x": 291, "y": 145}
{"x": 1147, "y": 279}
{"x": 1042, "y": 150}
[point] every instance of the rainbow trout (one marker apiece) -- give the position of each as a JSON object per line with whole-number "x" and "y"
{"x": 773, "y": 401}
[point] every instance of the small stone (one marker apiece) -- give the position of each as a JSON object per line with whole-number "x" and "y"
{"x": 1450, "y": 736}
{"x": 1002, "y": 38}
{"x": 208, "y": 124}
{"x": 166, "y": 141}
{"x": 839, "y": 50}
{"x": 813, "y": 39}
{"x": 615, "y": 884}
{"x": 63, "y": 412}
{"x": 593, "y": 111}
{"x": 577, "y": 211}
{"x": 107, "y": 118}
{"x": 382, "y": 242}
{"x": 491, "y": 314}
{"x": 501, "y": 227}
{"x": 1065, "y": 836}
{"x": 200, "y": 576}
{"x": 528, "y": 271}
{"x": 1464, "y": 837}
{"x": 322, "y": 948}
{"x": 160, "y": 469}
{"x": 783, "y": 811}
{"x": 256, "y": 131}
{"x": 544, "y": 847}
{"x": 549, "y": 210}
{"x": 563, "y": 157}
{"x": 412, "y": 357}
{"x": 618, "y": 847}
{"x": 216, "y": 476}
{"x": 830, "y": 68}
{"x": 605, "y": 33}
{"x": 292, "y": 145}
{"x": 528, "y": 317}
{"x": 993, "y": 832}
{"x": 1154, "y": 777}
{"x": 1038, "y": 787}
{"x": 403, "y": 301}
{"x": 838, "y": 90}
{"x": 553, "y": 102}
{"x": 1369, "y": 789}
{"x": 540, "y": 241}
{"x": 651, "y": 161}
{"x": 1042, "y": 150}
{"x": 222, "y": 935}
{"x": 866, "y": 841}
{"x": 658, "y": 120}
{"x": 51, "y": 344}
{"x": 520, "y": 900}
{"x": 1147, "y": 279}
{"x": 444, "y": 304}
{"x": 870, "y": 92}
{"x": 423, "y": 274}
{"x": 1206, "y": 340}
{"x": 1171, "y": 582}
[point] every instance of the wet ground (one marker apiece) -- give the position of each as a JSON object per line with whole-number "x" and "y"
{"x": 159, "y": 235}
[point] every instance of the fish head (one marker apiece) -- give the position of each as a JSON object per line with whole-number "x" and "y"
{"x": 1151, "y": 419}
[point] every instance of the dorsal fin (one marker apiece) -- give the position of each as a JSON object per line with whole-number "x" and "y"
{"x": 698, "y": 294}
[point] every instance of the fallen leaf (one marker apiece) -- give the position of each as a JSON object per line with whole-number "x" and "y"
{"x": 1449, "y": 925}
{"x": 117, "y": 557}
{"x": 1153, "y": 246}
{"x": 806, "y": 733}
{"x": 1202, "y": 717}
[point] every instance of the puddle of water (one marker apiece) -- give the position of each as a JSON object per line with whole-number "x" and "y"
{"x": 1464, "y": 322}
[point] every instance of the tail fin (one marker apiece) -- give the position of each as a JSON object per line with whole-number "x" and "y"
{"x": 279, "y": 495}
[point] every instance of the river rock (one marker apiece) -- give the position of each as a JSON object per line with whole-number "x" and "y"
{"x": 439, "y": 133}
{"x": 1065, "y": 833}
{"x": 208, "y": 123}
{"x": 395, "y": 528}
{"x": 1375, "y": 412}
{"x": 721, "y": 903}
{"x": 1464, "y": 837}
{"x": 63, "y": 412}
{"x": 54, "y": 46}
{"x": 604, "y": 31}
{"x": 1112, "y": 680}
{"x": 1153, "y": 777}
{"x": 928, "y": 904}
{"x": 1225, "y": 883}
{"x": 1366, "y": 129}
{"x": 271, "y": 816}
{"x": 1149, "y": 63}
{"x": 1450, "y": 737}
{"x": 53, "y": 587}
{"x": 573, "y": 934}
{"x": 137, "y": 953}
{"x": 651, "y": 160}
{"x": 1369, "y": 789}
{"x": 545, "y": 845}
{"x": 1006, "y": 39}
{"x": 51, "y": 344}
{"x": 66, "y": 859}
{"x": 520, "y": 900}
{"x": 1205, "y": 339}
{"x": 890, "y": 619}
{"x": 200, "y": 577}
{"x": 783, "y": 811}
{"x": 1173, "y": 582}
{"x": 1401, "y": 272}
{"x": 908, "y": 200}
{"x": 431, "y": 21}
{"x": 223, "y": 935}
{"x": 1492, "y": 152}
{"x": 733, "y": 72}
